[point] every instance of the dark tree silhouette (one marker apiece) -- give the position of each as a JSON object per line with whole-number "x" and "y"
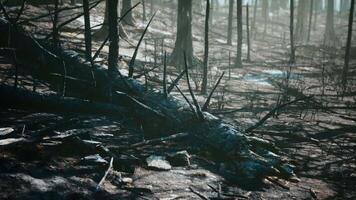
{"x": 129, "y": 19}
{"x": 229, "y": 29}
{"x": 184, "y": 34}
{"x": 291, "y": 35}
{"x": 206, "y": 49}
{"x": 348, "y": 46}
{"x": 113, "y": 35}
{"x": 239, "y": 33}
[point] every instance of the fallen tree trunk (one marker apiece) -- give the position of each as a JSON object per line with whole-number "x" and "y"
{"x": 246, "y": 158}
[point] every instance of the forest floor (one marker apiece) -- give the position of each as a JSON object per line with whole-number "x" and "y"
{"x": 318, "y": 137}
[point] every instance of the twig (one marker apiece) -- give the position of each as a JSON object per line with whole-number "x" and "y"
{"x": 132, "y": 61}
{"x": 160, "y": 140}
{"x": 198, "y": 194}
{"x": 175, "y": 82}
{"x": 106, "y": 174}
{"x": 187, "y": 100}
{"x": 20, "y": 12}
{"x": 207, "y": 102}
{"x": 271, "y": 113}
{"x": 145, "y": 72}
{"x": 165, "y": 75}
{"x": 196, "y": 104}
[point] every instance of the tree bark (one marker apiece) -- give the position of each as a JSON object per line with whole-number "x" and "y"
{"x": 248, "y": 32}
{"x": 206, "y": 49}
{"x": 265, "y": 16}
{"x": 183, "y": 41}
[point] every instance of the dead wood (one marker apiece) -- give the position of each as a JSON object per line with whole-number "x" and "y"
{"x": 273, "y": 111}
{"x": 207, "y": 102}
{"x": 157, "y": 115}
{"x": 106, "y": 174}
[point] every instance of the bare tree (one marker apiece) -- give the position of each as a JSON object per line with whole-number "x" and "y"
{"x": 129, "y": 19}
{"x": 301, "y": 28}
{"x": 184, "y": 34}
{"x": 87, "y": 33}
{"x": 206, "y": 49}
{"x": 239, "y": 33}
{"x": 310, "y": 18}
{"x": 113, "y": 35}
{"x": 229, "y": 29}
{"x": 291, "y": 35}
{"x": 265, "y": 15}
{"x": 348, "y": 46}
{"x": 329, "y": 35}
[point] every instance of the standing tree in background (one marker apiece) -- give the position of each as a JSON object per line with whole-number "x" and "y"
{"x": 206, "y": 49}
{"x": 310, "y": 18}
{"x": 291, "y": 35}
{"x": 183, "y": 41}
{"x": 229, "y": 29}
{"x": 254, "y": 28}
{"x": 129, "y": 19}
{"x": 301, "y": 32}
{"x": 87, "y": 30}
{"x": 103, "y": 31}
{"x": 348, "y": 47}
{"x": 329, "y": 35}
{"x": 265, "y": 16}
{"x": 239, "y": 33}
{"x": 113, "y": 35}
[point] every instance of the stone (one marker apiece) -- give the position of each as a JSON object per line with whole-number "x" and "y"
{"x": 179, "y": 159}
{"x": 158, "y": 163}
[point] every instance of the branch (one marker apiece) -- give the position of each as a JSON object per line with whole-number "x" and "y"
{"x": 175, "y": 82}
{"x": 271, "y": 113}
{"x": 196, "y": 104}
{"x": 165, "y": 75}
{"x": 132, "y": 61}
{"x": 106, "y": 174}
{"x": 160, "y": 140}
{"x": 207, "y": 102}
{"x": 187, "y": 100}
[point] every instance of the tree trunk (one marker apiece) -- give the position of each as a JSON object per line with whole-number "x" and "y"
{"x": 104, "y": 30}
{"x": 55, "y": 35}
{"x": 87, "y": 33}
{"x": 254, "y": 28}
{"x": 183, "y": 41}
{"x": 129, "y": 19}
{"x": 310, "y": 18}
{"x": 265, "y": 16}
{"x": 239, "y": 33}
{"x": 301, "y": 32}
{"x": 248, "y": 32}
{"x": 330, "y": 36}
{"x": 206, "y": 49}
{"x": 229, "y": 28}
{"x": 291, "y": 35}
{"x": 113, "y": 35}
{"x": 348, "y": 47}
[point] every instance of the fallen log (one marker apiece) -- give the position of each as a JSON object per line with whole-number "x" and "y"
{"x": 245, "y": 158}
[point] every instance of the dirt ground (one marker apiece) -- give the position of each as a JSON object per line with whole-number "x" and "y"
{"x": 318, "y": 136}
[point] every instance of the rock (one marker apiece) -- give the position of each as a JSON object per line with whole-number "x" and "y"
{"x": 180, "y": 158}
{"x": 158, "y": 163}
